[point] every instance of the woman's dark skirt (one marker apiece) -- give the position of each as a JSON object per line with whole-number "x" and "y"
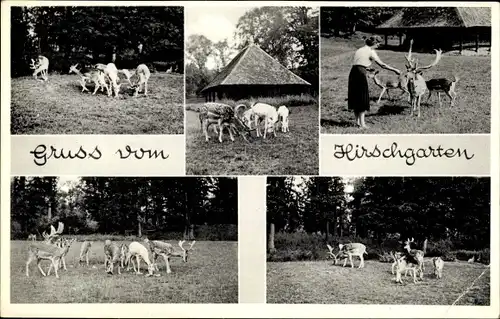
{"x": 358, "y": 97}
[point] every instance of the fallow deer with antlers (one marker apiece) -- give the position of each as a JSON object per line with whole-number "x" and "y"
{"x": 417, "y": 85}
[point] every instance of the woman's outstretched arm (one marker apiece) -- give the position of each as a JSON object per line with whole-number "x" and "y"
{"x": 384, "y": 65}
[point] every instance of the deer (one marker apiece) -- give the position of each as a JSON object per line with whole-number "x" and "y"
{"x": 46, "y": 251}
{"x": 283, "y": 114}
{"x": 350, "y": 250}
{"x": 392, "y": 83}
{"x": 265, "y": 111}
{"x": 63, "y": 243}
{"x": 138, "y": 251}
{"x": 403, "y": 265}
{"x": 416, "y": 256}
{"x": 40, "y": 66}
{"x": 124, "y": 256}
{"x": 84, "y": 251}
{"x": 166, "y": 250}
{"x": 144, "y": 74}
{"x": 442, "y": 85}
{"x": 112, "y": 255}
{"x": 223, "y": 116}
{"x": 97, "y": 76}
{"x": 32, "y": 237}
{"x": 111, "y": 73}
{"x": 416, "y": 83}
{"x": 438, "y": 264}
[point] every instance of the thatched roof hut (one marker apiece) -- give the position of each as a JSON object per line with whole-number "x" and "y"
{"x": 441, "y": 26}
{"x": 253, "y": 72}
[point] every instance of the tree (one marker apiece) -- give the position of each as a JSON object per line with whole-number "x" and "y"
{"x": 198, "y": 49}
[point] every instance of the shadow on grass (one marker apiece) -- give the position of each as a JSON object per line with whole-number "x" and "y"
{"x": 340, "y": 123}
{"x": 389, "y": 109}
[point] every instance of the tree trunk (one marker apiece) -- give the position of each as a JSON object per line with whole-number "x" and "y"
{"x": 327, "y": 230}
{"x": 49, "y": 213}
{"x": 139, "y": 229}
{"x": 191, "y": 232}
{"x": 270, "y": 244}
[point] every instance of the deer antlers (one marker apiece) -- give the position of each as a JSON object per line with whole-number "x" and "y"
{"x": 181, "y": 242}
{"x": 53, "y": 232}
{"x": 413, "y": 63}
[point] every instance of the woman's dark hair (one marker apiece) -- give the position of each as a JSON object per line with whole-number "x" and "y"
{"x": 373, "y": 40}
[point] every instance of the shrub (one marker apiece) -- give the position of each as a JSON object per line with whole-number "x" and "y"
{"x": 482, "y": 256}
{"x": 288, "y": 100}
{"x": 439, "y": 248}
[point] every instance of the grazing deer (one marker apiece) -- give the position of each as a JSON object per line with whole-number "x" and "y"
{"x": 112, "y": 257}
{"x": 471, "y": 260}
{"x": 96, "y": 76}
{"x": 138, "y": 251}
{"x": 263, "y": 111}
{"x": 443, "y": 85}
{"x": 400, "y": 83}
{"x": 54, "y": 234}
{"x": 334, "y": 256}
{"x": 283, "y": 114}
{"x": 416, "y": 82}
{"x": 40, "y": 66}
{"x": 84, "y": 251}
{"x": 403, "y": 265}
{"x": 223, "y": 116}
{"x": 143, "y": 73}
{"x": 111, "y": 73}
{"x": 416, "y": 256}
{"x": 353, "y": 249}
{"x": 32, "y": 237}
{"x": 45, "y": 251}
{"x": 166, "y": 250}
{"x": 438, "y": 264}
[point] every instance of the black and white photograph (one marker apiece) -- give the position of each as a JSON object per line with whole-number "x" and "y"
{"x": 97, "y": 70}
{"x": 252, "y": 87}
{"x": 378, "y": 240}
{"x": 413, "y": 70}
{"x": 124, "y": 240}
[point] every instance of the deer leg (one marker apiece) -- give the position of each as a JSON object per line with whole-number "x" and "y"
{"x": 350, "y": 260}
{"x": 381, "y": 94}
{"x": 167, "y": 264}
{"x": 418, "y": 105}
{"x": 40, "y": 267}
{"x": 28, "y": 262}
{"x": 97, "y": 86}
{"x": 451, "y": 97}
{"x": 428, "y": 97}
{"x": 64, "y": 263}
{"x": 229, "y": 128}
{"x": 439, "y": 98}
{"x": 87, "y": 258}
{"x": 388, "y": 95}
{"x": 362, "y": 264}
{"x": 204, "y": 127}
{"x": 220, "y": 130}
{"x": 139, "y": 266}
{"x": 146, "y": 88}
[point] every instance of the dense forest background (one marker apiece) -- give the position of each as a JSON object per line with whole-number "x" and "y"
{"x": 126, "y": 36}
{"x": 304, "y": 215}
{"x": 191, "y": 207}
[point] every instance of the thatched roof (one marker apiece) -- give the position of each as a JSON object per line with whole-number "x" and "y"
{"x": 253, "y": 66}
{"x": 425, "y": 17}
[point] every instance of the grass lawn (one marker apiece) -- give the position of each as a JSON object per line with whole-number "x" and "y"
{"x": 471, "y": 113}
{"x": 209, "y": 276}
{"x": 320, "y": 282}
{"x": 58, "y": 106}
{"x": 291, "y": 153}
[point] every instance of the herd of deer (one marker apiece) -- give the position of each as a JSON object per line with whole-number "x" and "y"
{"x": 104, "y": 76}
{"x": 54, "y": 248}
{"x": 407, "y": 260}
{"x": 224, "y": 116}
{"x": 413, "y": 83}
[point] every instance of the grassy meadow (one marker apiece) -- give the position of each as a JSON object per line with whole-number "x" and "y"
{"x": 58, "y": 106}
{"x": 293, "y": 152}
{"x": 471, "y": 113}
{"x": 321, "y": 282}
{"x": 209, "y": 276}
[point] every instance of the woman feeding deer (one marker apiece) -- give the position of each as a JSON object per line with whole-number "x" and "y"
{"x": 357, "y": 92}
